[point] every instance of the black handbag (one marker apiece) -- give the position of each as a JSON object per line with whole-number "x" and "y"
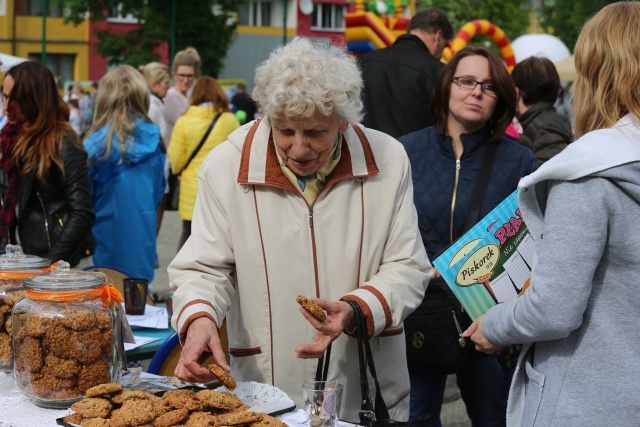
{"x": 173, "y": 198}
{"x": 372, "y": 414}
{"x": 433, "y": 332}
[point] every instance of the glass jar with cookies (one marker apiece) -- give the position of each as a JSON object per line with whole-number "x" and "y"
{"x": 15, "y": 267}
{"x": 65, "y": 336}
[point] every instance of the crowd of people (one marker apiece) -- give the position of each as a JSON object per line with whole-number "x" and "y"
{"x": 358, "y": 174}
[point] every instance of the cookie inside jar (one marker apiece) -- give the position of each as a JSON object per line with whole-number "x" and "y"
{"x": 15, "y": 267}
{"x": 65, "y": 335}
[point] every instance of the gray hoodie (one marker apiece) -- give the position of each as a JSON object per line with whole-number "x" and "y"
{"x": 580, "y": 319}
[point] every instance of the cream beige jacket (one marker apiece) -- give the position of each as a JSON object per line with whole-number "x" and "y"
{"x": 256, "y": 244}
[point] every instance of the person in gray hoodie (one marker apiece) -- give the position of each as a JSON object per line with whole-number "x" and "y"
{"x": 578, "y": 322}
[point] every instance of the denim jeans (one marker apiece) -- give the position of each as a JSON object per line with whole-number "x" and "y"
{"x": 484, "y": 388}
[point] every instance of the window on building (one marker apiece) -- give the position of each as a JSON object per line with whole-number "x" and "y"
{"x": 114, "y": 14}
{"x": 61, "y": 65}
{"x": 328, "y": 17}
{"x": 255, "y": 13}
{"x": 34, "y": 8}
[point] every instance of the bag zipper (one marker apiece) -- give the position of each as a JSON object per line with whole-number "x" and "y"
{"x": 461, "y": 339}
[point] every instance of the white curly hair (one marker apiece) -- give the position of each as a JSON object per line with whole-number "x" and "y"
{"x": 302, "y": 76}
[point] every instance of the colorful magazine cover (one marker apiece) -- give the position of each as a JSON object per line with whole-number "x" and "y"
{"x": 491, "y": 264}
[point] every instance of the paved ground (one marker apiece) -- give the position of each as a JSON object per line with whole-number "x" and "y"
{"x": 453, "y": 413}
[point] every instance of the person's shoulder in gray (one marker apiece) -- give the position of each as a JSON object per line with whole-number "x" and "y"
{"x": 399, "y": 80}
{"x": 578, "y": 319}
{"x": 546, "y": 132}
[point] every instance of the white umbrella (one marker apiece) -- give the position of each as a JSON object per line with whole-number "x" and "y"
{"x": 540, "y": 45}
{"x": 8, "y": 61}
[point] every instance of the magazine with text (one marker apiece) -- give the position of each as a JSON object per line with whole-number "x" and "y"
{"x": 491, "y": 263}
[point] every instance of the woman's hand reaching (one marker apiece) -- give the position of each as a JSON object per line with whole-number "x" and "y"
{"x": 339, "y": 317}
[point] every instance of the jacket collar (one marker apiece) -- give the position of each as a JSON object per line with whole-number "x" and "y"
{"x": 259, "y": 162}
{"x": 470, "y": 141}
{"x": 534, "y": 111}
{"x": 413, "y": 40}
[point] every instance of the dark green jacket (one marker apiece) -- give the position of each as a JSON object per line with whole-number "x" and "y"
{"x": 546, "y": 132}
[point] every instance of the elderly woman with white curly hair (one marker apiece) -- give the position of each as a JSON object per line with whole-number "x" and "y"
{"x": 304, "y": 201}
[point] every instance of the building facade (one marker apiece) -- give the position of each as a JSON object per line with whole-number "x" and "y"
{"x": 264, "y": 25}
{"x": 71, "y": 52}
{"x": 21, "y": 34}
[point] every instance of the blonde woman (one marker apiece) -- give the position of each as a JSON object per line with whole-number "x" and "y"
{"x": 126, "y": 166}
{"x": 579, "y": 319}
{"x": 157, "y": 77}
{"x": 208, "y": 101}
{"x": 185, "y": 69}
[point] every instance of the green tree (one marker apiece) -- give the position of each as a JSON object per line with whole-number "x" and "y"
{"x": 204, "y": 24}
{"x": 509, "y": 15}
{"x": 566, "y": 17}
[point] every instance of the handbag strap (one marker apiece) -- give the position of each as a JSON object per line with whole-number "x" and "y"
{"x": 368, "y": 411}
{"x": 482, "y": 183}
{"x": 323, "y": 365}
{"x": 204, "y": 138}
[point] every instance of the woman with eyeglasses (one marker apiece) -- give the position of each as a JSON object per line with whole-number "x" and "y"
{"x": 473, "y": 103}
{"x": 185, "y": 69}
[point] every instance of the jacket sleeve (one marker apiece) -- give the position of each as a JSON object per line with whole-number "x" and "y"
{"x": 573, "y": 240}
{"x": 177, "y": 147}
{"x": 204, "y": 284}
{"x": 398, "y": 287}
{"x": 78, "y": 200}
{"x": 529, "y": 164}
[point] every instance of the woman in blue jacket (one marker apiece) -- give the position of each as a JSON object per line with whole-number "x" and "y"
{"x": 473, "y": 103}
{"x": 126, "y": 167}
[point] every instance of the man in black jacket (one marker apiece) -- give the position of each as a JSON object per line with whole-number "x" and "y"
{"x": 399, "y": 79}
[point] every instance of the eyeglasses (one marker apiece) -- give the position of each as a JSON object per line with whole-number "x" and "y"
{"x": 185, "y": 76}
{"x": 469, "y": 84}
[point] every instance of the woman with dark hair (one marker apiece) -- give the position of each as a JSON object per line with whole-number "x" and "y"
{"x": 46, "y": 191}
{"x": 208, "y": 101}
{"x": 474, "y": 102}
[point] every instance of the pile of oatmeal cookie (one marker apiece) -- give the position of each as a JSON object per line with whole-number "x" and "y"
{"x": 7, "y": 302}
{"x": 60, "y": 357}
{"x": 110, "y": 405}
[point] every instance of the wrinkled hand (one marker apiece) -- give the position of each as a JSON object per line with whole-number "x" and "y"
{"x": 339, "y": 316}
{"x": 202, "y": 341}
{"x": 482, "y": 343}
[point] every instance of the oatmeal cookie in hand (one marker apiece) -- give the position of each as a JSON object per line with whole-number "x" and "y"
{"x": 224, "y": 376}
{"x": 312, "y": 307}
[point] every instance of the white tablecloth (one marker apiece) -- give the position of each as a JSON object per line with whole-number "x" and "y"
{"x": 18, "y": 411}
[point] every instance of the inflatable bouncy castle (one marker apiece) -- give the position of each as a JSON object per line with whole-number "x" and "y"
{"x": 384, "y": 21}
